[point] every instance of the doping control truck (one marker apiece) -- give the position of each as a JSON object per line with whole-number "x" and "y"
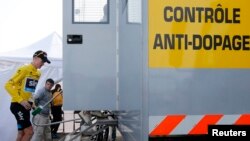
{"x": 167, "y": 68}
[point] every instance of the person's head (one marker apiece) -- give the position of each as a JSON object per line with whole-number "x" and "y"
{"x": 57, "y": 87}
{"x": 49, "y": 84}
{"x": 39, "y": 58}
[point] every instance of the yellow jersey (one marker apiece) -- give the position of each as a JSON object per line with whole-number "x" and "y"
{"x": 23, "y": 83}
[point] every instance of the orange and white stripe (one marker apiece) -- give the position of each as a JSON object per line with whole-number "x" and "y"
{"x": 192, "y": 124}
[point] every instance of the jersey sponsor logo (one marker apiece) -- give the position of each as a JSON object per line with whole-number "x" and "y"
{"x": 30, "y": 85}
{"x": 20, "y": 114}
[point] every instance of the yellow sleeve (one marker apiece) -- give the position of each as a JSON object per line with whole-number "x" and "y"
{"x": 11, "y": 85}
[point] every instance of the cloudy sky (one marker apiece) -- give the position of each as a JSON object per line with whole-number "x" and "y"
{"x": 23, "y": 22}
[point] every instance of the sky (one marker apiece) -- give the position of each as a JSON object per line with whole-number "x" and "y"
{"x": 23, "y": 22}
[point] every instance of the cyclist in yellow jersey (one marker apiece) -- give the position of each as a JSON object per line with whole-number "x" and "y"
{"x": 20, "y": 87}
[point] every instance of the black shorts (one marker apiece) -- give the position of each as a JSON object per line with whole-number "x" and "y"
{"x": 21, "y": 114}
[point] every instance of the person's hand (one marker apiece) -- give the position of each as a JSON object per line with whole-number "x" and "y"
{"x": 25, "y": 104}
{"x": 33, "y": 106}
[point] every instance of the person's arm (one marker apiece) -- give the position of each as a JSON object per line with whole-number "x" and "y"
{"x": 61, "y": 91}
{"x": 38, "y": 96}
{"x": 11, "y": 85}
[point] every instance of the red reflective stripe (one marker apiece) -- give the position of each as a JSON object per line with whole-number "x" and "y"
{"x": 202, "y": 125}
{"x": 167, "y": 125}
{"x": 244, "y": 119}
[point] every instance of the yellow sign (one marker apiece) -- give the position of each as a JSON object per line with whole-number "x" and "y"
{"x": 199, "y": 34}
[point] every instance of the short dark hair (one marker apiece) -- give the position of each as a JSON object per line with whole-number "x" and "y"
{"x": 50, "y": 81}
{"x": 57, "y": 86}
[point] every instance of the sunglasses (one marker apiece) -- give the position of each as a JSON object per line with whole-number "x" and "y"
{"x": 41, "y": 53}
